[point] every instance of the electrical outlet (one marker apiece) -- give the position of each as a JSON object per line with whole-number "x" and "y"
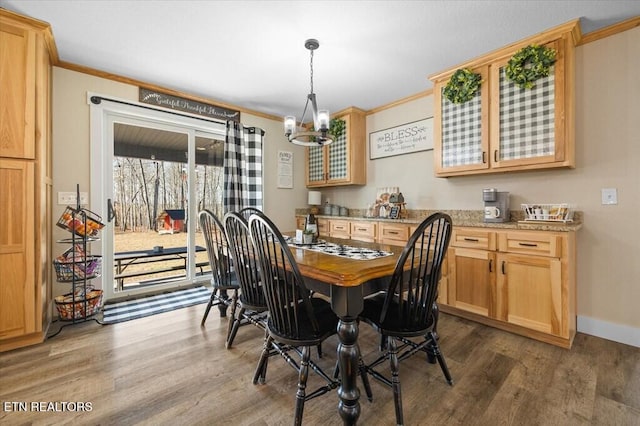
{"x": 69, "y": 198}
{"x": 609, "y": 196}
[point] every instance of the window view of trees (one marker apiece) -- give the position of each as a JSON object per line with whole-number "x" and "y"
{"x": 144, "y": 188}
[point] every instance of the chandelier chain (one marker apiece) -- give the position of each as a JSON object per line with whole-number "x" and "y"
{"x": 311, "y": 66}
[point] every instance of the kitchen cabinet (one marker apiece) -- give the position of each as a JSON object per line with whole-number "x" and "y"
{"x": 499, "y": 121}
{"x": 519, "y": 281}
{"x": 339, "y": 228}
{"x": 342, "y": 162}
{"x": 530, "y": 286}
{"x": 392, "y": 233}
{"x": 363, "y": 231}
{"x": 26, "y": 176}
{"x": 472, "y": 271}
{"x": 323, "y": 224}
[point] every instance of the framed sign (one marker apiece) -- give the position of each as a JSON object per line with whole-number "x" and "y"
{"x": 285, "y": 169}
{"x": 407, "y": 138}
{"x": 395, "y": 212}
{"x": 187, "y": 105}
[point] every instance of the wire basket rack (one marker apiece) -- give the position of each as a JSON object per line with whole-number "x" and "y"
{"x": 558, "y": 212}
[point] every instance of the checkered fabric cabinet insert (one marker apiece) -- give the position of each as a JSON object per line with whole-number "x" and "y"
{"x": 316, "y": 164}
{"x": 338, "y": 157}
{"x": 527, "y": 118}
{"x": 461, "y": 132}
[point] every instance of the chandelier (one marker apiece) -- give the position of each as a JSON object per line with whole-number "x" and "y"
{"x": 319, "y": 135}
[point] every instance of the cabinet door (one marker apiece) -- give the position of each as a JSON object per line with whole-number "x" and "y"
{"x": 316, "y": 175}
{"x": 17, "y": 85}
{"x": 471, "y": 279}
{"x": 323, "y": 227}
{"x": 527, "y": 125}
{"x": 18, "y": 295}
{"x": 461, "y": 131}
{"x": 529, "y": 290}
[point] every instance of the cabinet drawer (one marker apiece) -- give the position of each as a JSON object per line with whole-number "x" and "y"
{"x": 473, "y": 238}
{"x": 393, "y": 233}
{"x": 536, "y": 243}
{"x": 363, "y": 231}
{"x": 339, "y": 228}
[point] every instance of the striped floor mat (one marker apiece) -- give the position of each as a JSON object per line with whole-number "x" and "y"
{"x": 151, "y": 305}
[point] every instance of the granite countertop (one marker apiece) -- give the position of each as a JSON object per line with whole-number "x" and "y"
{"x": 471, "y": 218}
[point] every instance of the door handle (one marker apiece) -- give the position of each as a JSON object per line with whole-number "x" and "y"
{"x": 111, "y": 213}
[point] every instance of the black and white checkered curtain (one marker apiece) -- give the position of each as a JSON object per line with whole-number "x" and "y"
{"x": 242, "y": 167}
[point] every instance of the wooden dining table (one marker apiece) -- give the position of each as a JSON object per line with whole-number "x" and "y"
{"x": 347, "y": 282}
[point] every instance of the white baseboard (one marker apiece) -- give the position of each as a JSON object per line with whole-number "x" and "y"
{"x": 607, "y": 330}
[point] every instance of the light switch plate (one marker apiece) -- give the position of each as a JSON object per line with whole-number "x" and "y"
{"x": 609, "y": 196}
{"x": 69, "y": 198}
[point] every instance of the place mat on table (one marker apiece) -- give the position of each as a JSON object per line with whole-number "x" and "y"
{"x": 343, "y": 250}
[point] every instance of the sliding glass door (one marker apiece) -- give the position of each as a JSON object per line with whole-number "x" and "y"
{"x": 157, "y": 171}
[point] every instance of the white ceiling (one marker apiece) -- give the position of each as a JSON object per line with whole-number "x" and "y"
{"x": 251, "y": 53}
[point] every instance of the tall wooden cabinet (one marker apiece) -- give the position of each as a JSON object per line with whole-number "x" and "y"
{"x": 342, "y": 162}
{"x": 505, "y": 128}
{"x": 26, "y": 49}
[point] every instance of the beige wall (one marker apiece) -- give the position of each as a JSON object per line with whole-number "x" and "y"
{"x": 607, "y": 155}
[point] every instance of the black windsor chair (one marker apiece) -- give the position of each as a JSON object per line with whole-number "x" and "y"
{"x": 248, "y": 211}
{"x": 296, "y": 321}
{"x": 407, "y": 309}
{"x": 223, "y": 277}
{"x": 252, "y": 302}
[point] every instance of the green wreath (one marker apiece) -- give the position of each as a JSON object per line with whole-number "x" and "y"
{"x": 336, "y": 127}
{"x": 462, "y": 86}
{"x": 529, "y": 64}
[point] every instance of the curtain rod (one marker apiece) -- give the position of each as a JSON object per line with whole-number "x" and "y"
{"x": 97, "y": 99}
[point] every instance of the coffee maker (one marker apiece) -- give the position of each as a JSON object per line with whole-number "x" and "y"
{"x": 496, "y": 205}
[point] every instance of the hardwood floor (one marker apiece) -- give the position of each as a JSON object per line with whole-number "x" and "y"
{"x": 165, "y": 369}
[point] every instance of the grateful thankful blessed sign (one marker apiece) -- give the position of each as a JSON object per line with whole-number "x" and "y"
{"x": 186, "y": 105}
{"x": 404, "y": 139}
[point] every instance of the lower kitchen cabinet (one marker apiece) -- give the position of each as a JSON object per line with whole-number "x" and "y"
{"x": 364, "y": 231}
{"x": 339, "y": 228}
{"x": 472, "y": 281}
{"x": 529, "y": 293}
{"x": 519, "y": 281}
{"x": 396, "y": 234}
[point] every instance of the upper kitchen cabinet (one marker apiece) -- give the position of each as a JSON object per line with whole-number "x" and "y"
{"x": 503, "y": 127}
{"x": 17, "y": 126}
{"x": 342, "y": 162}
{"x": 26, "y": 51}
